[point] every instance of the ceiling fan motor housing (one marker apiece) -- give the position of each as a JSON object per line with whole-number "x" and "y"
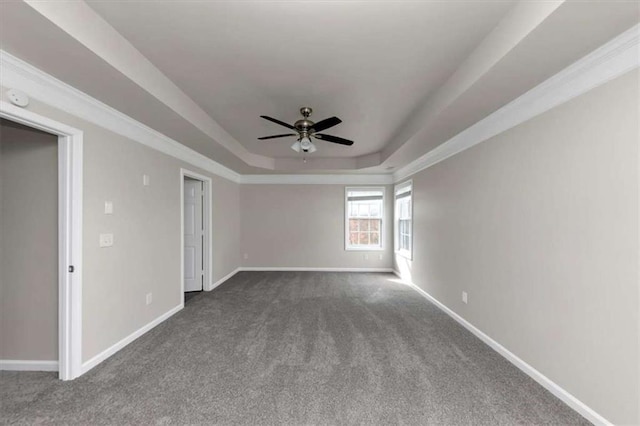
{"x": 305, "y": 124}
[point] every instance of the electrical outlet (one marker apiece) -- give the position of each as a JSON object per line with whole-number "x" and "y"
{"x": 464, "y": 297}
{"x": 149, "y": 298}
{"x": 106, "y": 240}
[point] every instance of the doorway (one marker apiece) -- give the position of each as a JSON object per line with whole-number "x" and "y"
{"x": 196, "y": 239}
{"x": 67, "y": 259}
{"x": 28, "y": 246}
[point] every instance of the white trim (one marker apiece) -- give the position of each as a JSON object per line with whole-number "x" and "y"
{"x": 17, "y": 365}
{"x": 332, "y": 179}
{"x": 130, "y": 338}
{"x": 208, "y": 232}
{"x": 530, "y": 371}
{"x": 223, "y": 279}
{"x": 612, "y": 60}
{"x": 309, "y": 269}
{"x": 70, "y": 142}
{"x": 18, "y": 74}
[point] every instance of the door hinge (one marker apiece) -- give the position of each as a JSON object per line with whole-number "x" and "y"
{"x": 71, "y": 268}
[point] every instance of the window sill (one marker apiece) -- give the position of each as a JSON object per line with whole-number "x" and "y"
{"x": 364, "y": 248}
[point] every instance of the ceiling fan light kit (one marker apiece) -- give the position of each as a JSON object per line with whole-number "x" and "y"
{"x": 305, "y": 145}
{"x": 307, "y": 129}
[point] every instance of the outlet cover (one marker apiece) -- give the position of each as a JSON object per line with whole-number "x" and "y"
{"x": 106, "y": 240}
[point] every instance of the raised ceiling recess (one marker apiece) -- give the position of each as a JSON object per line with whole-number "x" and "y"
{"x": 405, "y": 76}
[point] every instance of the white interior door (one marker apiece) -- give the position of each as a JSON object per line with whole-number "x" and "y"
{"x": 193, "y": 236}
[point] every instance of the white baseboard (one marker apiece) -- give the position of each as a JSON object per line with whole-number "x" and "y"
{"x": 130, "y": 338}
{"x": 543, "y": 380}
{"x": 309, "y": 269}
{"x": 221, "y": 280}
{"x": 17, "y": 365}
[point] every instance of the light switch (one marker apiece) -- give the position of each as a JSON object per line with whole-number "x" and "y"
{"x": 106, "y": 240}
{"x": 146, "y": 180}
{"x": 108, "y": 207}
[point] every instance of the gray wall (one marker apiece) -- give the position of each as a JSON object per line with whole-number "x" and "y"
{"x": 303, "y": 226}
{"x": 226, "y": 227}
{"x": 540, "y": 226}
{"x": 146, "y": 226}
{"x": 28, "y": 244}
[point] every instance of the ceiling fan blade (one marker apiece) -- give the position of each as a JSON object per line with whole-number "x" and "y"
{"x": 277, "y": 136}
{"x": 326, "y": 123}
{"x": 282, "y": 123}
{"x": 334, "y": 139}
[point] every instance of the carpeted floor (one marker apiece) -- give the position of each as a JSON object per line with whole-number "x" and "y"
{"x": 294, "y": 348}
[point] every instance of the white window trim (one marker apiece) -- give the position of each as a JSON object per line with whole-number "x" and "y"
{"x": 347, "y": 246}
{"x": 396, "y": 233}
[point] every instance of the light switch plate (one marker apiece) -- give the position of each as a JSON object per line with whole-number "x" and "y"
{"x": 106, "y": 240}
{"x": 108, "y": 207}
{"x": 146, "y": 180}
{"x": 464, "y": 297}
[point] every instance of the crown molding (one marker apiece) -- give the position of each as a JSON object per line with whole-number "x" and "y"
{"x": 18, "y": 74}
{"x": 333, "y": 179}
{"x": 611, "y": 60}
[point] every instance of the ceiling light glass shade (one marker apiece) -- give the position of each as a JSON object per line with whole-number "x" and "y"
{"x": 305, "y": 145}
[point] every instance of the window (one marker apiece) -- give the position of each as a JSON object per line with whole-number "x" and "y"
{"x": 364, "y": 218}
{"x": 403, "y": 219}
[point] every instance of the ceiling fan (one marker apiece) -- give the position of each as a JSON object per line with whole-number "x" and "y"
{"x": 307, "y": 129}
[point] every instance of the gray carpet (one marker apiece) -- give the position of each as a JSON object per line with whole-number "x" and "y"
{"x": 294, "y": 348}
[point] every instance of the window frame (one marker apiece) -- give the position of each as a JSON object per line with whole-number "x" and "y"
{"x": 383, "y": 219}
{"x": 399, "y": 188}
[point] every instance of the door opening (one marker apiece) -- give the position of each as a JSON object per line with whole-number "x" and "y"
{"x": 193, "y": 228}
{"x": 68, "y": 235}
{"x": 195, "y": 232}
{"x": 28, "y": 246}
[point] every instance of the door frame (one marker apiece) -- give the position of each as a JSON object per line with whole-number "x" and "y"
{"x": 207, "y": 219}
{"x": 70, "y": 144}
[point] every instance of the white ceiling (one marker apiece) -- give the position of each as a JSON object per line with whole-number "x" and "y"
{"x": 404, "y": 76}
{"x": 369, "y": 64}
